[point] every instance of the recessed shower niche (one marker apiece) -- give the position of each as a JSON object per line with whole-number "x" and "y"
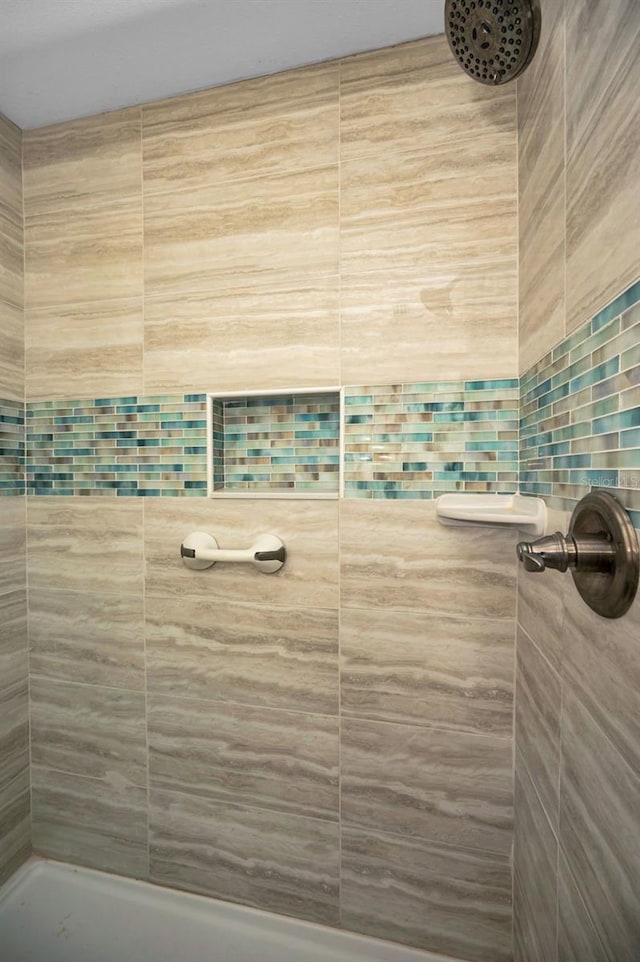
{"x": 274, "y": 444}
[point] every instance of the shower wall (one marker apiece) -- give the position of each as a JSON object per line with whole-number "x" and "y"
{"x": 334, "y": 742}
{"x": 577, "y": 845}
{"x": 14, "y": 738}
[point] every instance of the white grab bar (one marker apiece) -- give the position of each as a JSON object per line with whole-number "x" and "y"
{"x": 200, "y": 551}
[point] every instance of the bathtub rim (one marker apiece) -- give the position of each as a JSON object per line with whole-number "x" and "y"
{"x": 36, "y": 865}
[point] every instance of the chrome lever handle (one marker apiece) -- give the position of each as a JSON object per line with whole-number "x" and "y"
{"x": 553, "y": 551}
{"x": 530, "y": 560}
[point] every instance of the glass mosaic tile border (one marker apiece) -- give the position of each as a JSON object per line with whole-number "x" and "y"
{"x": 422, "y": 440}
{"x": 127, "y": 446}
{"x": 288, "y": 443}
{"x": 580, "y": 411}
{"x": 12, "y": 451}
{"x": 570, "y": 424}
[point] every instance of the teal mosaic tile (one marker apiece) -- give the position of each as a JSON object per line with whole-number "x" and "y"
{"x": 619, "y": 305}
{"x": 421, "y": 440}
{"x": 288, "y": 443}
{"x": 100, "y": 446}
{"x": 12, "y": 448}
{"x": 600, "y": 446}
{"x": 571, "y": 423}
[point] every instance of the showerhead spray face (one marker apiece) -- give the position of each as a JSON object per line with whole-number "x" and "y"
{"x": 493, "y": 40}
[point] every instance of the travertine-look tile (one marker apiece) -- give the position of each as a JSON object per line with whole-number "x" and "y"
{"x": 85, "y": 730}
{"x": 15, "y": 826}
{"x": 264, "y": 230}
{"x": 542, "y": 291}
{"x": 307, "y": 528}
{"x": 83, "y": 162}
{"x": 401, "y": 666}
{"x": 601, "y": 660}
{"x": 445, "y": 786}
{"x": 11, "y": 351}
{"x": 537, "y": 723}
{"x": 90, "y": 350}
{"x": 12, "y": 282}
{"x": 282, "y": 863}
{"x": 85, "y": 544}
{"x": 86, "y": 821}
{"x": 284, "y": 761}
{"x": 541, "y": 107}
{"x": 286, "y": 121}
{"x": 414, "y": 96}
{"x": 541, "y": 605}
{"x": 397, "y": 555}
{"x": 603, "y": 153}
{"x": 12, "y": 545}
{"x": 535, "y": 887}
{"x": 10, "y": 167}
{"x": 93, "y": 638}
{"x": 84, "y": 254}
{"x": 415, "y": 325}
{"x": 15, "y": 787}
{"x": 243, "y": 339}
{"x": 13, "y": 638}
{"x": 14, "y": 733}
{"x": 599, "y": 818}
{"x": 434, "y": 896}
{"x": 578, "y": 941}
{"x": 11, "y": 261}
{"x": 441, "y": 212}
{"x": 275, "y": 657}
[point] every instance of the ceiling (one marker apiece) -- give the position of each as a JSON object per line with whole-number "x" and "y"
{"x": 62, "y": 59}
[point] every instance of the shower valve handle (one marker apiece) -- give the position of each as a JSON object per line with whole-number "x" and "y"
{"x": 560, "y": 552}
{"x": 600, "y": 549}
{"x": 552, "y": 551}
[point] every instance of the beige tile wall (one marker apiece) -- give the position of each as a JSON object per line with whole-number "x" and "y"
{"x": 577, "y": 803}
{"x": 83, "y": 282}
{"x": 578, "y": 168}
{"x": 334, "y": 224}
{"x": 354, "y": 223}
{"x": 15, "y": 829}
{"x": 254, "y": 771}
{"x": 11, "y": 270}
{"x": 578, "y": 790}
{"x": 15, "y": 841}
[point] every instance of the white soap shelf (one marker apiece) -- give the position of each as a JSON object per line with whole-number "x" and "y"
{"x": 515, "y": 510}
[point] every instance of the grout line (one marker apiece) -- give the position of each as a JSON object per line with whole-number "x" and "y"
{"x": 146, "y": 687}
{"x": 251, "y": 706}
{"x": 96, "y": 779}
{"x": 142, "y": 265}
{"x": 513, "y": 760}
{"x": 343, "y": 474}
{"x": 564, "y": 166}
{"x": 143, "y": 509}
{"x": 24, "y": 491}
{"x": 486, "y": 853}
{"x": 539, "y": 650}
{"x": 83, "y": 684}
{"x": 227, "y": 801}
{"x": 534, "y": 788}
{"x": 558, "y": 832}
{"x": 28, "y": 641}
{"x": 502, "y": 857}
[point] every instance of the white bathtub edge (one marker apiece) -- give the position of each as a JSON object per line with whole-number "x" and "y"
{"x": 36, "y": 867}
